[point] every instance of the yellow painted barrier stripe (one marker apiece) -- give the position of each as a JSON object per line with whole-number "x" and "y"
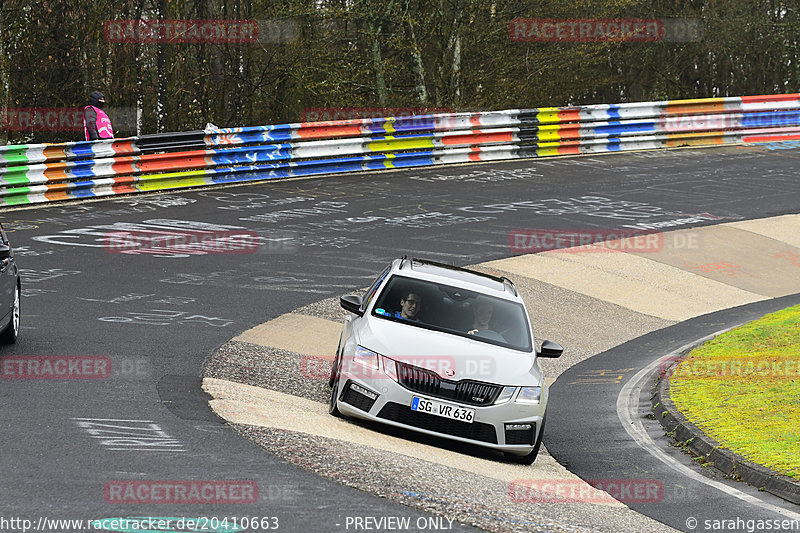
{"x": 549, "y": 133}
{"x": 544, "y": 152}
{"x": 174, "y": 183}
{"x": 172, "y": 180}
{"x": 391, "y": 143}
{"x": 548, "y": 114}
{"x": 388, "y": 163}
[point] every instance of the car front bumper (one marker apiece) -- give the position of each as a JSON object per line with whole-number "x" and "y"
{"x": 385, "y": 401}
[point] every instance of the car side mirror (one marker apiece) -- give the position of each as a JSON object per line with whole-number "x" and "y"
{"x": 5, "y": 252}
{"x": 550, "y": 349}
{"x": 352, "y": 304}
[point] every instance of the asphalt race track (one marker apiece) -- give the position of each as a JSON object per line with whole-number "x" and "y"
{"x": 157, "y": 317}
{"x": 589, "y": 441}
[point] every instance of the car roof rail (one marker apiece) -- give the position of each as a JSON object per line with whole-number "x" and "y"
{"x": 507, "y": 283}
{"x": 510, "y": 284}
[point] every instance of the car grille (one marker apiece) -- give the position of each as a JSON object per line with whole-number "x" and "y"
{"x": 404, "y": 415}
{"x": 428, "y": 382}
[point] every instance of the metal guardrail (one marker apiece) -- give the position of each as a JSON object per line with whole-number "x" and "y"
{"x": 39, "y": 173}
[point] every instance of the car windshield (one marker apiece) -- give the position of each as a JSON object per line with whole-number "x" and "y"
{"x": 454, "y": 310}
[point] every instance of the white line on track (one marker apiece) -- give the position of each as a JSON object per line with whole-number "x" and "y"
{"x": 627, "y": 411}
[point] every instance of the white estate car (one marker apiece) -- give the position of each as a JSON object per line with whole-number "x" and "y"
{"x": 445, "y": 351}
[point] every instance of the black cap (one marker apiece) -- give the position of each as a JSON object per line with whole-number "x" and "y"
{"x": 97, "y": 99}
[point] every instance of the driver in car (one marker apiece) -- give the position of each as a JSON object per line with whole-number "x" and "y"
{"x": 409, "y": 307}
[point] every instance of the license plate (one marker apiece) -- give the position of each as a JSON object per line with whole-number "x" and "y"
{"x": 445, "y": 410}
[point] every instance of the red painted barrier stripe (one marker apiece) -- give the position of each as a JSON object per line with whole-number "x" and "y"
{"x": 569, "y": 115}
{"x": 477, "y": 137}
{"x": 770, "y": 138}
{"x": 569, "y": 150}
{"x": 124, "y": 167}
{"x": 330, "y": 131}
{"x": 124, "y": 147}
{"x": 569, "y": 131}
{"x": 770, "y": 98}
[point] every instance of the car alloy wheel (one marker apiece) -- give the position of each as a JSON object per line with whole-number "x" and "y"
{"x": 11, "y": 333}
{"x": 332, "y": 408}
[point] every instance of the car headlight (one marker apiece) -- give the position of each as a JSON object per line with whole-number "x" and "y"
{"x": 505, "y": 395}
{"x": 366, "y": 358}
{"x": 389, "y": 367}
{"x": 529, "y": 395}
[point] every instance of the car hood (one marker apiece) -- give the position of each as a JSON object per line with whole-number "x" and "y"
{"x": 444, "y": 353}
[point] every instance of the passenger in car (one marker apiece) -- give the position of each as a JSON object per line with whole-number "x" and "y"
{"x": 482, "y": 311}
{"x": 410, "y": 306}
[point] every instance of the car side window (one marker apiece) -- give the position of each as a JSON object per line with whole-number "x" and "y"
{"x": 3, "y": 235}
{"x": 374, "y": 287}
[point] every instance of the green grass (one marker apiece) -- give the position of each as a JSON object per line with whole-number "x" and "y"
{"x": 743, "y": 390}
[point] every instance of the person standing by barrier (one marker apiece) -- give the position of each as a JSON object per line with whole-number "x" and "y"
{"x": 96, "y": 124}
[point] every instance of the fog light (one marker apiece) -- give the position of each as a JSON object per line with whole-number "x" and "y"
{"x": 518, "y": 427}
{"x": 368, "y": 393}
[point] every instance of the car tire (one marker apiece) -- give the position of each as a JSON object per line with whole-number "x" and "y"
{"x": 11, "y": 333}
{"x": 332, "y": 408}
{"x": 333, "y": 366}
{"x": 531, "y": 457}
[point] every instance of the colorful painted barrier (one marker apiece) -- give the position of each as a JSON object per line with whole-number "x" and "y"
{"x": 57, "y": 172}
